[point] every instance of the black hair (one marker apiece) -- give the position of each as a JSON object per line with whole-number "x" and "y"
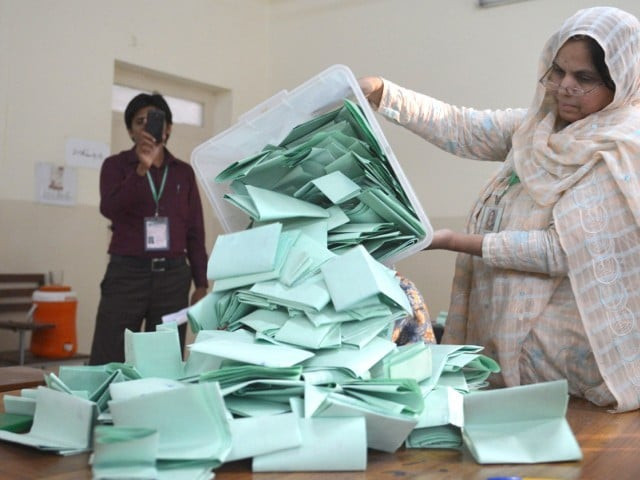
{"x": 145, "y": 100}
{"x": 597, "y": 58}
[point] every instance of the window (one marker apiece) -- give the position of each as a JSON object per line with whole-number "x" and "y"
{"x": 186, "y": 112}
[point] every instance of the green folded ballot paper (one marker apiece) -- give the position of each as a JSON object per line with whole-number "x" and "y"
{"x": 386, "y": 425}
{"x": 265, "y": 321}
{"x": 12, "y": 422}
{"x": 333, "y": 159}
{"x": 233, "y": 375}
{"x": 524, "y": 424}
{"x": 249, "y": 439}
{"x": 359, "y": 333}
{"x": 385, "y": 392}
{"x": 408, "y": 361}
{"x": 327, "y": 444}
{"x": 155, "y": 354}
{"x": 265, "y": 205}
{"x": 235, "y": 254}
{"x": 439, "y": 436}
{"x": 473, "y": 368}
{"x": 124, "y": 452}
{"x": 190, "y": 420}
{"x": 448, "y": 363}
{"x": 335, "y": 186}
{"x": 285, "y": 242}
{"x": 356, "y": 361}
{"x": 355, "y": 278}
{"x": 62, "y": 423}
{"x": 440, "y": 423}
{"x": 308, "y": 296}
{"x": 23, "y": 404}
{"x": 86, "y": 381}
{"x": 229, "y": 346}
{"x": 298, "y": 330}
{"x": 242, "y": 407}
{"x": 304, "y": 258}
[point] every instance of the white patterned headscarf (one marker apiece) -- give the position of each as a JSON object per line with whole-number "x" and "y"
{"x": 589, "y": 172}
{"x": 547, "y": 162}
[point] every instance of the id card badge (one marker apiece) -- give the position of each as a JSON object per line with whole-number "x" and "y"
{"x": 491, "y": 217}
{"x": 156, "y": 233}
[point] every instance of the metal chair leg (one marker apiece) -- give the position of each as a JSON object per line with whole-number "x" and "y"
{"x": 21, "y": 346}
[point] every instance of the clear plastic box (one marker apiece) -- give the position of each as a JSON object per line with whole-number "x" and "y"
{"x": 270, "y": 122}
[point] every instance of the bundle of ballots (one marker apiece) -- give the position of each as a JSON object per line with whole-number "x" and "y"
{"x": 312, "y": 412}
{"x": 329, "y": 176}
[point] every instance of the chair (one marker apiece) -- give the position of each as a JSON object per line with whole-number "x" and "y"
{"x": 16, "y": 290}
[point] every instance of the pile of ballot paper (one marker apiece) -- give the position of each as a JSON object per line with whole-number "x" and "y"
{"x": 293, "y": 365}
{"x": 331, "y": 178}
{"x": 284, "y": 418}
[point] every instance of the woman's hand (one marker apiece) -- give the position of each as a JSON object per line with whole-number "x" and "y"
{"x": 442, "y": 240}
{"x": 372, "y": 88}
{"x": 445, "y": 239}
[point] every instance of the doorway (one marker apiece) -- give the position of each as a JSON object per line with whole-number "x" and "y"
{"x": 185, "y": 137}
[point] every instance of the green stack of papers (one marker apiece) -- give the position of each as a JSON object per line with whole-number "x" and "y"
{"x": 217, "y": 310}
{"x": 332, "y": 161}
{"x": 439, "y": 425}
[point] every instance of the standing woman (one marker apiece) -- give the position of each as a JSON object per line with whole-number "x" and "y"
{"x": 549, "y": 271}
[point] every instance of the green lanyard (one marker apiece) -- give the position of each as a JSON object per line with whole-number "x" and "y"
{"x": 157, "y": 194}
{"x": 511, "y": 181}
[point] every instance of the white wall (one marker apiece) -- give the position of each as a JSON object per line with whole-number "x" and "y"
{"x": 56, "y": 70}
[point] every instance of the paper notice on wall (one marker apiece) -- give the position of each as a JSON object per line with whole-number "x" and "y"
{"x": 55, "y": 184}
{"x": 85, "y": 153}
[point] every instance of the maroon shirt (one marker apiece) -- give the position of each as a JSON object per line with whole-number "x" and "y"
{"x": 126, "y": 199}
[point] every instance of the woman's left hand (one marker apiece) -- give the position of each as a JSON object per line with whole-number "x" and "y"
{"x": 445, "y": 239}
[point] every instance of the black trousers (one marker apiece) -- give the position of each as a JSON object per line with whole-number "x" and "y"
{"x": 133, "y": 291}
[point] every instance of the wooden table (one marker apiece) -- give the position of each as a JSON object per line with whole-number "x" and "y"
{"x": 15, "y": 378}
{"x": 610, "y": 444}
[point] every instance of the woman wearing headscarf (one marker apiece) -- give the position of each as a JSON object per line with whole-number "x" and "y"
{"x": 549, "y": 271}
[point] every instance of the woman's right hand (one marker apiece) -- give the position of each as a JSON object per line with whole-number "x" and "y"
{"x": 372, "y": 88}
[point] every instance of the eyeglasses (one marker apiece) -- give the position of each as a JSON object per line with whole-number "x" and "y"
{"x": 552, "y": 85}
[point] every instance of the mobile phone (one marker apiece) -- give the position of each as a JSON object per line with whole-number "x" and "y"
{"x": 155, "y": 124}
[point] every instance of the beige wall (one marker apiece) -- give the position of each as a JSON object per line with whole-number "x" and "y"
{"x": 56, "y": 69}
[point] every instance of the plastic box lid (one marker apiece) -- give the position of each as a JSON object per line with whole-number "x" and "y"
{"x": 270, "y": 122}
